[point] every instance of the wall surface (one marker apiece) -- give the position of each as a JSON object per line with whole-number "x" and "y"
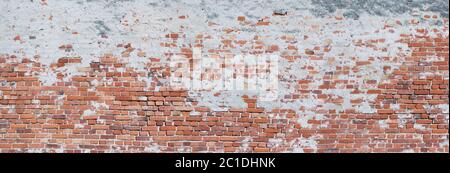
{"x": 353, "y": 76}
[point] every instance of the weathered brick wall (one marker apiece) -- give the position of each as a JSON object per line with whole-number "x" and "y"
{"x": 93, "y": 76}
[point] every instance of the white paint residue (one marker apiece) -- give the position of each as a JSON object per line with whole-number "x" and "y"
{"x": 48, "y": 78}
{"x": 302, "y": 143}
{"x": 152, "y": 149}
{"x": 89, "y": 112}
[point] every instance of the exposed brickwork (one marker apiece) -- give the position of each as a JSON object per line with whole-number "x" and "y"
{"x": 96, "y": 80}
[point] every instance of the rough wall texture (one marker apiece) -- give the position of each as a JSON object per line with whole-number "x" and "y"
{"x": 354, "y": 76}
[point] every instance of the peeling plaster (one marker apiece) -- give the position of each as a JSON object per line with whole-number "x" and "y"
{"x": 333, "y": 35}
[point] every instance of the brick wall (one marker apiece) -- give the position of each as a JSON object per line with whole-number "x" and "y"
{"x": 93, "y": 76}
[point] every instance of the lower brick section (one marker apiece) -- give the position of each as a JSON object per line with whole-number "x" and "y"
{"x": 346, "y": 84}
